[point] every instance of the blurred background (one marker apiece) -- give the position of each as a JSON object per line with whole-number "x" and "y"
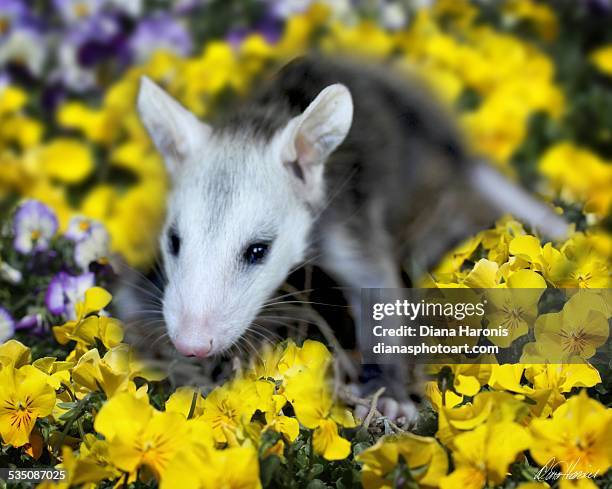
{"x": 530, "y": 81}
{"x": 82, "y": 188}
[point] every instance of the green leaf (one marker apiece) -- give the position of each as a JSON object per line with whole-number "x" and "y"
{"x": 316, "y": 484}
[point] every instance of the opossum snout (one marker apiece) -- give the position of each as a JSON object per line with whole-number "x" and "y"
{"x": 192, "y": 338}
{"x": 200, "y": 350}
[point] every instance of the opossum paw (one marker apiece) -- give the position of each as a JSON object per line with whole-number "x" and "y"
{"x": 403, "y": 413}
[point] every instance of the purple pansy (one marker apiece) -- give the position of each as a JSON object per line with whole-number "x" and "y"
{"x": 94, "y": 248}
{"x": 160, "y": 32}
{"x": 286, "y": 8}
{"x": 26, "y": 47}
{"x": 133, "y": 8}
{"x": 81, "y": 228}
{"x": 65, "y": 291}
{"x": 186, "y": 7}
{"x": 34, "y": 323}
{"x": 599, "y": 7}
{"x": 7, "y": 325}
{"x": 78, "y": 10}
{"x": 269, "y": 27}
{"x": 86, "y": 44}
{"x": 13, "y": 14}
{"x": 34, "y": 224}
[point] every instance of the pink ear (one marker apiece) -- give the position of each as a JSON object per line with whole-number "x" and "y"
{"x": 315, "y": 134}
{"x": 173, "y": 129}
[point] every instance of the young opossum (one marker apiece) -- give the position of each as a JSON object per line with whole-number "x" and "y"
{"x": 338, "y": 162}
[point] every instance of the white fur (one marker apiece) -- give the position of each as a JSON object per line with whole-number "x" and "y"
{"x": 312, "y": 136}
{"x": 508, "y": 197}
{"x": 175, "y": 131}
{"x": 227, "y": 191}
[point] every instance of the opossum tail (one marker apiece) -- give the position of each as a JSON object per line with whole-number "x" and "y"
{"x": 508, "y": 197}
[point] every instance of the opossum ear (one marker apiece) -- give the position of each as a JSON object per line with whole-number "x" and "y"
{"x": 175, "y": 131}
{"x": 315, "y": 134}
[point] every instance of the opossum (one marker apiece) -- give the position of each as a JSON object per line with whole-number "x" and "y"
{"x": 340, "y": 162}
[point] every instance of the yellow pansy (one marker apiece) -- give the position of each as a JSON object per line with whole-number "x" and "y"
{"x": 67, "y": 160}
{"x": 25, "y": 396}
{"x": 300, "y": 29}
{"x": 602, "y": 58}
{"x": 578, "y": 175}
{"x": 23, "y": 130}
{"x": 206, "y": 468}
{"x": 58, "y": 372}
{"x": 424, "y": 457}
{"x": 229, "y": 408}
{"x": 12, "y": 99}
{"x": 548, "y": 382}
{"x": 14, "y": 353}
{"x": 484, "y": 275}
{"x": 97, "y": 125}
{"x": 496, "y": 128}
{"x": 366, "y": 38}
{"x": 113, "y": 373}
{"x": 135, "y": 221}
{"x": 577, "y": 331}
{"x": 590, "y": 262}
{"x": 515, "y": 307}
{"x": 275, "y": 420}
{"x": 468, "y": 378}
{"x": 255, "y": 51}
{"x": 138, "y": 435}
{"x": 183, "y": 400}
{"x": 439, "y": 399}
{"x": 577, "y": 436}
{"x": 482, "y": 456}
{"x": 310, "y": 395}
{"x": 311, "y": 355}
{"x": 486, "y": 406}
{"x": 497, "y": 240}
{"x": 81, "y": 469}
{"x": 88, "y": 326}
{"x": 540, "y": 15}
{"x": 454, "y": 260}
{"x": 287, "y": 359}
{"x": 551, "y": 381}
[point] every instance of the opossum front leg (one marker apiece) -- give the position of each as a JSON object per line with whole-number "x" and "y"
{"x": 369, "y": 264}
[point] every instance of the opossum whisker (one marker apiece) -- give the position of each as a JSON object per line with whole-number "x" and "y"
{"x": 288, "y": 325}
{"x": 149, "y": 293}
{"x": 307, "y": 262}
{"x": 278, "y": 297}
{"x": 305, "y": 302}
{"x": 265, "y": 330}
{"x": 163, "y": 336}
{"x": 156, "y": 311}
{"x": 146, "y": 279}
{"x": 264, "y": 337}
{"x": 156, "y": 330}
{"x": 250, "y": 345}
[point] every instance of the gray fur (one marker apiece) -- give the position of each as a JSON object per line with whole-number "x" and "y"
{"x": 402, "y": 153}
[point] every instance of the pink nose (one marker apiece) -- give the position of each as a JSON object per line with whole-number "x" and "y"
{"x": 191, "y": 349}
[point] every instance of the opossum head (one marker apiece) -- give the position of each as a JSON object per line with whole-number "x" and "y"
{"x": 239, "y": 213}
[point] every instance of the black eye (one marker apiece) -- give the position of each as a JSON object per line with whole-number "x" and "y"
{"x": 255, "y": 253}
{"x": 174, "y": 242}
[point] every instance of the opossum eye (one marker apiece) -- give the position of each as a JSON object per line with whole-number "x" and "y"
{"x": 174, "y": 242}
{"x": 255, "y": 253}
